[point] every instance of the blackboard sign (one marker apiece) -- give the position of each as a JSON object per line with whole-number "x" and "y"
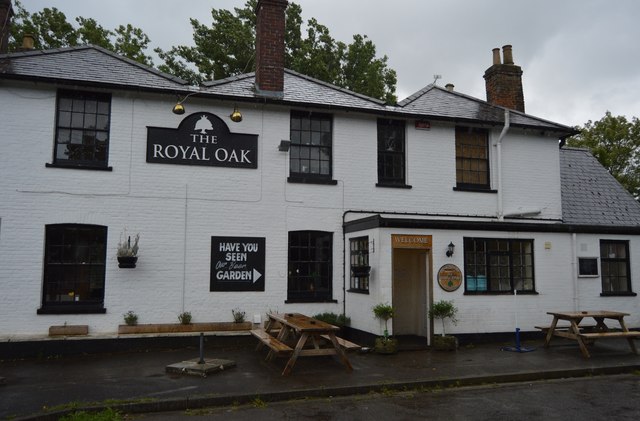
{"x": 202, "y": 139}
{"x": 237, "y": 263}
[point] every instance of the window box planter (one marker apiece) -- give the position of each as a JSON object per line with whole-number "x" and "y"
{"x": 445, "y": 343}
{"x": 161, "y": 328}
{"x": 361, "y": 271}
{"x": 386, "y": 345}
{"x": 127, "y": 262}
{"x": 68, "y": 330}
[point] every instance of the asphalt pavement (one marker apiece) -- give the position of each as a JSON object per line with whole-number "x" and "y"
{"x": 46, "y": 388}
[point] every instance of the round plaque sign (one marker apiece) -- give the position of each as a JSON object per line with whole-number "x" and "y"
{"x": 449, "y": 277}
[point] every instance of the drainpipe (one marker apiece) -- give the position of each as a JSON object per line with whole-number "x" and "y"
{"x": 574, "y": 272}
{"x": 504, "y": 131}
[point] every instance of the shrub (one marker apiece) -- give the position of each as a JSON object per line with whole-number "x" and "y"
{"x": 184, "y": 318}
{"x": 333, "y": 319}
{"x": 130, "y": 318}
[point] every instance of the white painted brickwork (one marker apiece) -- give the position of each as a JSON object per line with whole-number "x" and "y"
{"x": 178, "y": 208}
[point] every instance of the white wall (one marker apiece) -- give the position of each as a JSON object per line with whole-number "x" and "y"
{"x": 177, "y": 209}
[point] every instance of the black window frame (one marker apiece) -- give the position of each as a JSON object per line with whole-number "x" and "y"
{"x": 359, "y": 257}
{"x": 310, "y": 263}
{"x": 509, "y": 256}
{"x": 607, "y": 259}
{"x": 86, "y": 116}
{"x": 74, "y": 269}
{"x": 392, "y": 164}
{"x": 311, "y": 137}
{"x": 588, "y": 267}
{"x": 466, "y": 164}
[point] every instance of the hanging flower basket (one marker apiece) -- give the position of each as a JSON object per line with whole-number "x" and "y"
{"x": 127, "y": 262}
{"x": 360, "y": 271}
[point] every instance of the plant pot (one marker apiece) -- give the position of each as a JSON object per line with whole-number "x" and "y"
{"x": 386, "y": 346}
{"x": 127, "y": 261}
{"x": 445, "y": 343}
{"x": 361, "y": 271}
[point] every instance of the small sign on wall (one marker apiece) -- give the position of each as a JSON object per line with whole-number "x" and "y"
{"x": 449, "y": 277}
{"x": 237, "y": 263}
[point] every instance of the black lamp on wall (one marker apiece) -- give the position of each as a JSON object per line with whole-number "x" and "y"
{"x": 450, "y": 249}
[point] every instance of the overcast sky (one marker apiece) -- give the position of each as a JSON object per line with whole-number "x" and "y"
{"x": 580, "y": 57}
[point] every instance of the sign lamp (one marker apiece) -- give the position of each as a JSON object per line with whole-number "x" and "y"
{"x": 235, "y": 116}
{"x": 450, "y": 249}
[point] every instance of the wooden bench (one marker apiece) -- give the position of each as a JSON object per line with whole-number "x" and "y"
{"x": 348, "y": 346}
{"x": 273, "y": 343}
{"x": 545, "y": 329}
{"x": 616, "y": 334}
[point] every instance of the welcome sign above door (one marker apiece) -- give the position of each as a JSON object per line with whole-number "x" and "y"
{"x": 202, "y": 139}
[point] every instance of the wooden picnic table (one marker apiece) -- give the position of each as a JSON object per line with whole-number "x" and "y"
{"x": 586, "y": 334}
{"x": 312, "y": 337}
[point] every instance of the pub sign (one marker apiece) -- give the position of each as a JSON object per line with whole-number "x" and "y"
{"x": 237, "y": 263}
{"x": 202, "y": 139}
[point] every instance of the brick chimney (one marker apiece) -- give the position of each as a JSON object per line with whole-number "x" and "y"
{"x": 270, "y": 29}
{"x": 6, "y": 12}
{"x": 504, "y": 81}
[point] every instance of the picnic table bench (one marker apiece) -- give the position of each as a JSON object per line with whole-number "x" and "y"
{"x": 586, "y": 334}
{"x": 311, "y": 337}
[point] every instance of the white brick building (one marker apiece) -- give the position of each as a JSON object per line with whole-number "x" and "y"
{"x": 319, "y": 179}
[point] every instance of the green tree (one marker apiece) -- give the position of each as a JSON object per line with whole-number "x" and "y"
{"x": 51, "y": 29}
{"x": 227, "y": 48}
{"x": 615, "y": 142}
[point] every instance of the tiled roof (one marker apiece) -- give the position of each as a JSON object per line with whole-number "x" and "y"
{"x": 298, "y": 89}
{"x": 436, "y": 101}
{"x": 432, "y": 102}
{"x": 95, "y": 65}
{"x": 86, "y": 64}
{"x": 592, "y": 196}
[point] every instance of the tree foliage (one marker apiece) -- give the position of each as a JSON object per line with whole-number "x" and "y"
{"x": 227, "y": 48}
{"x": 615, "y": 142}
{"x": 51, "y": 29}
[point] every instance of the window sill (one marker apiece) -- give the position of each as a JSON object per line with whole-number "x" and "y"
{"x": 78, "y": 167}
{"x": 71, "y": 309}
{"x": 618, "y": 294}
{"x": 312, "y": 180}
{"x": 309, "y": 300}
{"x": 395, "y": 186}
{"x": 475, "y": 189}
{"x": 499, "y": 293}
{"x": 359, "y": 291}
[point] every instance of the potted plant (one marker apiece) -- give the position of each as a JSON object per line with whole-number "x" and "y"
{"x": 238, "y": 315}
{"x": 127, "y": 252}
{"x": 184, "y": 318}
{"x": 385, "y": 344}
{"x": 130, "y": 318}
{"x": 444, "y": 310}
{"x": 360, "y": 271}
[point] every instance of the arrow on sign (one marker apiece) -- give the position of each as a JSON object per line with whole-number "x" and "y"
{"x": 256, "y": 275}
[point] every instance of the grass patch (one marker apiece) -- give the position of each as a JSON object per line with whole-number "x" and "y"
{"x": 104, "y": 415}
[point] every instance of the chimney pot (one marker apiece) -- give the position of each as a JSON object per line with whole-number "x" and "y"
{"x": 496, "y": 56}
{"x": 503, "y": 81}
{"x": 508, "y": 54}
{"x": 28, "y": 42}
{"x": 449, "y": 87}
